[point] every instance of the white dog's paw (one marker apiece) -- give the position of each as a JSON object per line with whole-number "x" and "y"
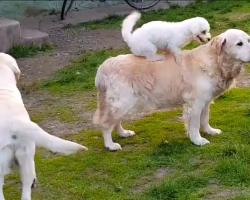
{"x": 127, "y": 133}
{"x": 200, "y": 141}
{"x": 156, "y": 58}
{"x": 213, "y": 131}
{"x": 113, "y": 147}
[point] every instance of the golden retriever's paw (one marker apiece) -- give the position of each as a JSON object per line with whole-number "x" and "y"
{"x": 114, "y": 147}
{"x": 213, "y": 131}
{"x": 200, "y": 141}
{"x": 127, "y": 133}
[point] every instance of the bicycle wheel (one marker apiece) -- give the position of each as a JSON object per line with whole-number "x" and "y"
{"x": 66, "y": 8}
{"x": 142, "y": 4}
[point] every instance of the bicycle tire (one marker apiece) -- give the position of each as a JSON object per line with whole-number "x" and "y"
{"x": 63, "y": 12}
{"x": 130, "y": 3}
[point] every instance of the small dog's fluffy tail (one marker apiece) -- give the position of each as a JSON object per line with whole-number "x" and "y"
{"x": 28, "y": 130}
{"x": 128, "y": 24}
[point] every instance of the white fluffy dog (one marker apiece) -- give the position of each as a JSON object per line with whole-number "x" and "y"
{"x": 18, "y": 134}
{"x": 128, "y": 82}
{"x": 159, "y": 35}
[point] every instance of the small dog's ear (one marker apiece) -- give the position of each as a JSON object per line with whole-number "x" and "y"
{"x": 218, "y": 43}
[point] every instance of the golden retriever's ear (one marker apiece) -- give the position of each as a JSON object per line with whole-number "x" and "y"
{"x": 217, "y": 43}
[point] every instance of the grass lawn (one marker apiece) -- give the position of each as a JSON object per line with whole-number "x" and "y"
{"x": 159, "y": 163}
{"x": 29, "y": 51}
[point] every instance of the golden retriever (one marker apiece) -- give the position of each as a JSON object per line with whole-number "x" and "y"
{"x": 126, "y": 82}
{"x": 18, "y": 134}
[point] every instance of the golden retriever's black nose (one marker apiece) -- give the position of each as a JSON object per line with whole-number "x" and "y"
{"x": 208, "y": 39}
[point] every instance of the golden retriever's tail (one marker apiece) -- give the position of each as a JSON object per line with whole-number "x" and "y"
{"x": 26, "y": 130}
{"x": 128, "y": 24}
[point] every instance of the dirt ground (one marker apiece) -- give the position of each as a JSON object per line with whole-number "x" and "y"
{"x": 70, "y": 44}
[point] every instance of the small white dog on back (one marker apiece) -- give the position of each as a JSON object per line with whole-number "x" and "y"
{"x": 159, "y": 35}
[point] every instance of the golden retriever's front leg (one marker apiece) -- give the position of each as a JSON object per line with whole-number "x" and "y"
{"x": 205, "y": 122}
{"x": 192, "y": 115}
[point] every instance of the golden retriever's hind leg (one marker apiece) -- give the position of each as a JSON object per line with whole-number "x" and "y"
{"x": 205, "y": 122}
{"x": 108, "y": 141}
{"x": 122, "y": 132}
{"x": 104, "y": 116}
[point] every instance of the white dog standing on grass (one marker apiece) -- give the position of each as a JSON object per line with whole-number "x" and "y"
{"x": 159, "y": 35}
{"x": 18, "y": 134}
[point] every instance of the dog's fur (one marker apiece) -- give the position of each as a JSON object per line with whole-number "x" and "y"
{"x": 18, "y": 134}
{"x": 159, "y": 35}
{"x": 127, "y": 81}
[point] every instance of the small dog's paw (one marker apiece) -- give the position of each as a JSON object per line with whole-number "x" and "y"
{"x": 113, "y": 147}
{"x": 213, "y": 131}
{"x": 200, "y": 141}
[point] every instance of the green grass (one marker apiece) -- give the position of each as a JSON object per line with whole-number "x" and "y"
{"x": 219, "y": 170}
{"x": 29, "y": 51}
{"x": 160, "y": 143}
{"x": 65, "y": 114}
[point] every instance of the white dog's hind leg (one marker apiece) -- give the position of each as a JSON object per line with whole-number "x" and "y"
{"x": 192, "y": 116}
{"x": 149, "y": 50}
{"x": 25, "y": 157}
{"x": 122, "y": 132}
{"x": 177, "y": 53}
{"x": 6, "y": 156}
{"x": 205, "y": 122}
{"x": 1, "y": 186}
{"x": 108, "y": 142}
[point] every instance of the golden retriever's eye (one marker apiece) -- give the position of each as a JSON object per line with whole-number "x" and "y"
{"x": 240, "y": 44}
{"x": 203, "y": 32}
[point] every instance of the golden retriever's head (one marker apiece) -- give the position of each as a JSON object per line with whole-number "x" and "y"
{"x": 200, "y": 28}
{"x": 7, "y": 60}
{"x": 235, "y": 43}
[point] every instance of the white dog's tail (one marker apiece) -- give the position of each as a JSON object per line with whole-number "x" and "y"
{"x": 31, "y": 131}
{"x": 128, "y": 24}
